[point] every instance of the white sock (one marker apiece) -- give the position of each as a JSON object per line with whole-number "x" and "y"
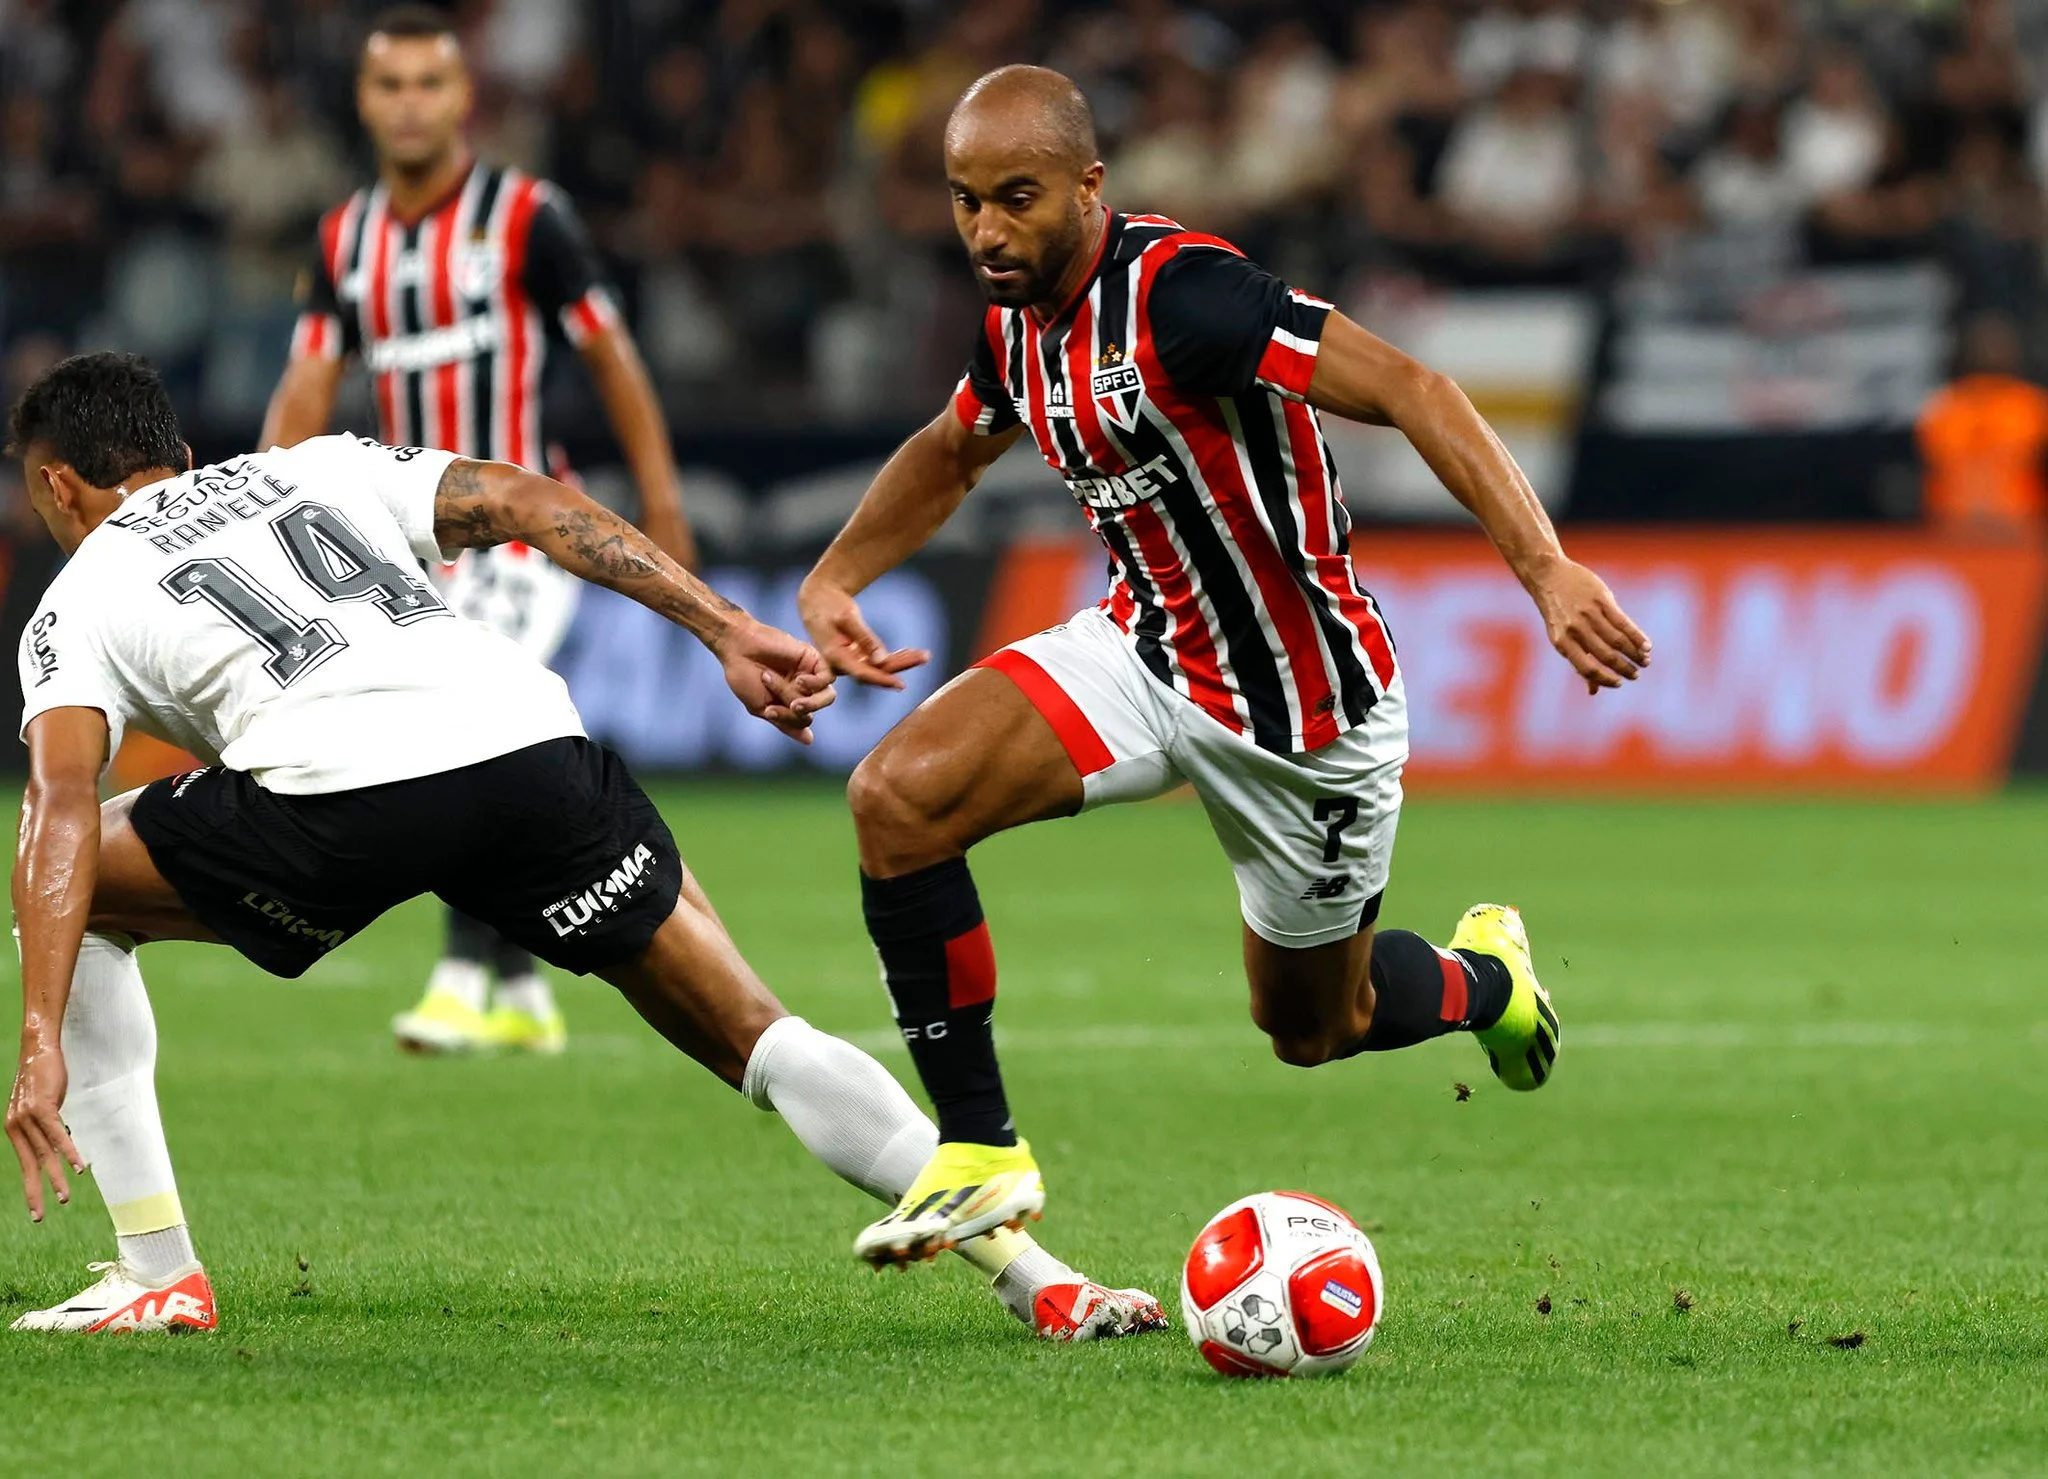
{"x": 110, "y": 1051}
{"x": 529, "y": 993}
{"x": 843, "y": 1105}
{"x": 464, "y": 980}
{"x": 849, "y": 1112}
{"x": 1024, "y": 1271}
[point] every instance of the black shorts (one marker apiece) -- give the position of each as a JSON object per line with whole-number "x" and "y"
{"x": 554, "y": 846}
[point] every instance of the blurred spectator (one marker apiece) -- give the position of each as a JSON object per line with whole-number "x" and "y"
{"x": 1403, "y": 79}
{"x": 266, "y": 186}
{"x": 1510, "y": 178}
{"x": 1280, "y": 98}
{"x": 1984, "y": 437}
{"x": 1527, "y": 35}
{"x": 1991, "y": 227}
{"x": 1684, "y": 57}
{"x": 1173, "y": 163}
{"x": 1834, "y": 135}
{"x": 767, "y": 172}
{"x": 48, "y": 224}
{"x": 37, "y": 52}
{"x": 1745, "y": 182}
{"x": 523, "y": 45}
{"x": 187, "y": 55}
{"x": 1980, "y": 71}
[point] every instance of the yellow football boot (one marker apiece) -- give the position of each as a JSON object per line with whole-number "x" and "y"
{"x": 442, "y": 1023}
{"x": 962, "y": 1192}
{"x": 1522, "y": 1045}
{"x": 514, "y": 1030}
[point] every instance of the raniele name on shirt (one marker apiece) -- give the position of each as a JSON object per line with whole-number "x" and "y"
{"x": 180, "y": 513}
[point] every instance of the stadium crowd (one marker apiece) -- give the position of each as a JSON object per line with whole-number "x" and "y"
{"x": 763, "y": 174}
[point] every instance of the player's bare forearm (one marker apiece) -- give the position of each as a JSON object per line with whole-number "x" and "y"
{"x": 1366, "y": 379}
{"x": 56, "y": 862}
{"x": 909, "y": 501}
{"x": 634, "y": 410}
{"x": 1363, "y": 378}
{"x": 480, "y": 504}
{"x": 302, "y": 404}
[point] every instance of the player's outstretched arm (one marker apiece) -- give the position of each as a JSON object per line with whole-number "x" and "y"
{"x": 913, "y": 495}
{"x": 634, "y": 410}
{"x": 302, "y": 404}
{"x": 56, "y": 864}
{"x": 479, "y": 504}
{"x": 1363, "y": 378}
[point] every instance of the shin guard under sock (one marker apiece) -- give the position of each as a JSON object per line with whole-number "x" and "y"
{"x": 1421, "y": 992}
{"x": 940, "y": 969}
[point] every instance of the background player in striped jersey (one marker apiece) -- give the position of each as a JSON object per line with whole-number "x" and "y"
{"x": 1175, "y": 387}
{"x": 444, "y": 278}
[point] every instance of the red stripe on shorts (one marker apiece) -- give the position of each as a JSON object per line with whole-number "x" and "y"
{"x": 1083, "y": 745}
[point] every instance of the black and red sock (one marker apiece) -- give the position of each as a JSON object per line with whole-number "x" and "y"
{"x": 1422, "y": 992}
{"x": 940, "y": 968}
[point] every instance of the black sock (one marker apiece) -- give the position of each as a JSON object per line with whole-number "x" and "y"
{"x": 469, "y": 940}
{"x": 1421, "y": 992}
{"x": 941, "y": 973}
{"x": 510, "y": 961}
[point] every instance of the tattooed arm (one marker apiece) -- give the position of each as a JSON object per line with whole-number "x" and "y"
{"x": 484, "y": 503}
{"x": 479, "y": 504}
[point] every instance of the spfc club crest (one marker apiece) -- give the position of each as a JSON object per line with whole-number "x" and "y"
{"x": 479, "y": 264}
{"x": 1117, "y": 387}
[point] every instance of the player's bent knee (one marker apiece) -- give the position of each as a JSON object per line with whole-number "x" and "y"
{"x": 1312, "y": 1051}
{"x": 897, "y": 801}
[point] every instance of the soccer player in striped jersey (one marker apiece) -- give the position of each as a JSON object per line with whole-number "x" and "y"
{"x": 1175, "y": 387}
{"x": 445, "y": 278}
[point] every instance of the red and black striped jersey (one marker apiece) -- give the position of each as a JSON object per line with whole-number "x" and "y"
{"x": 1169, "y": 394}
{"x": 449, "y": 311}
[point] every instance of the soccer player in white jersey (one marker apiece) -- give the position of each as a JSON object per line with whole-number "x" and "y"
{"x": 447, "y": 278}
{"x": 364, "y": 745}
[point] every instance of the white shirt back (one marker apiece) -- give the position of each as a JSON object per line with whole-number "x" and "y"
{"x": 271, "y": 613}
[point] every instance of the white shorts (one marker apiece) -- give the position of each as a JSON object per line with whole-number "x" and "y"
{"x": 1309, "y": 836}
{"x": 516, "y": 590}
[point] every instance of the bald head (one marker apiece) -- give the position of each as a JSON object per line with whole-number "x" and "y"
{"x": 1027, "y": 187}
{"x": 1029, "y": 111}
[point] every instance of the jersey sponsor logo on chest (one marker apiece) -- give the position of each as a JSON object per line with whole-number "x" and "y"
{"x": 475, "y": 270}
{"x": 1124, "y": 489}
{"x": 406, "y": 353}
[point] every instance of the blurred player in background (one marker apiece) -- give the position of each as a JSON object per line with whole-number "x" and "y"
{"x": 443, "y": 278}
{"x": 1175, "y": 387}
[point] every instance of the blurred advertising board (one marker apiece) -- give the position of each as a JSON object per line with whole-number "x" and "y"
{"x": 1841, "y": 658}
{"x": 1801, "y": 659}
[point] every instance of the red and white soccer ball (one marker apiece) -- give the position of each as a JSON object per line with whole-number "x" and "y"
{"x": 1281, "y": 1284}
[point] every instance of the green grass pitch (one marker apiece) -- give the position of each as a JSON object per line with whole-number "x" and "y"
{"x": 1800, "y": 1107}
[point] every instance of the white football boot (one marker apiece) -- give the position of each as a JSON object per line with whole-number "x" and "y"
{"x": 123, "y": 1301}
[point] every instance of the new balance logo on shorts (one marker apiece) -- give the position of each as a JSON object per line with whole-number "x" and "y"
{"x": 1328, "y": 888}
{"x": 575, "y": 914}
